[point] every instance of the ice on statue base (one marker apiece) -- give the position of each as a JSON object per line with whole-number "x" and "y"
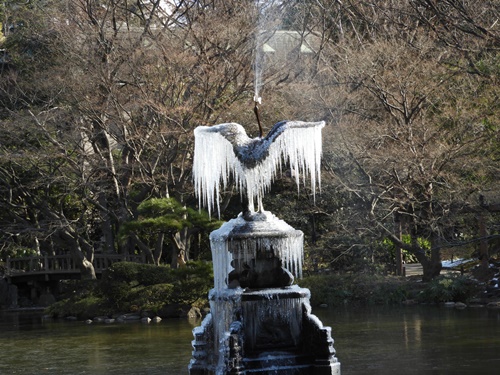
{"x": 259, "y": 322}
{"x": 265, "y": 331}
{"x": 256, "y": 250}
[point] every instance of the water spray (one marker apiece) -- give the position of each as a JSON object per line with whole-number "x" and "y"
{"x": 258, "y": 100}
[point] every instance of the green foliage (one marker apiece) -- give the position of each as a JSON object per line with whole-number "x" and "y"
{"x": 160, "y": 207}
{"x": 133, "y": 287}
{"x": 80, "y": 298}
{"x": 408, "y": 257}
{"x": 136, "y": 273}
{"x": 168, "y": 215}
{"x": 151, "y": 287}
{"x": 449, "y": 289}
{"x": 340, "y": 289}
{"x": 192, "y": 282}
{"x": 151, "y": 298}
{"x": 158, "y": 215}
{"x": 86, "y": 307}
{"x": 16, "y": 252}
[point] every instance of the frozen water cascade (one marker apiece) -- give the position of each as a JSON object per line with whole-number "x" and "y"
{"x": 259, "y": 323}
{"x": 240, "y": 245}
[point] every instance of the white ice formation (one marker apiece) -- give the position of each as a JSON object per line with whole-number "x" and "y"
{"x": 242, "y": 239}
{"x": 224, "y": 151}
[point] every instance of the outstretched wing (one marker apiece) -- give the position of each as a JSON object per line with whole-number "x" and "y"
{"x": 224, "y": 150}
{"x": 288, "y": 138}
{"x": 299, "y": 144}
{"x": 215, "y": 160}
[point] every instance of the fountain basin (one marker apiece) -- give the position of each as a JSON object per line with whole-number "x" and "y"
{"x": 264, "y": 331}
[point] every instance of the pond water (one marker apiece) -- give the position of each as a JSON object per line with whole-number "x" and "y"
{"x": 378, "y": 340}
{"x": 416, "y": 340}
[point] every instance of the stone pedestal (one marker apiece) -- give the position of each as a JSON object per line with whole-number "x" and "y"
{"x": 260, "y": 323}
{"x": 266, "y": 331}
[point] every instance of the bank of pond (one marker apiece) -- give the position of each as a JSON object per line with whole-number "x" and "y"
{"x": 160, "y": 291}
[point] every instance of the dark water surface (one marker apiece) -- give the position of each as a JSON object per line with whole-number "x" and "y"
{"x": 379, "y": 340}
{"x": 30, "y": 345}
{"x": 416, "y": 340}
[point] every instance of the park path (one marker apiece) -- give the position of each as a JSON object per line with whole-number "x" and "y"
{"x": 415, "y": 269}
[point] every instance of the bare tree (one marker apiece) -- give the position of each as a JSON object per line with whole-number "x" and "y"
{"x": 407, "y": 125}
{"x": 126, "y": 86}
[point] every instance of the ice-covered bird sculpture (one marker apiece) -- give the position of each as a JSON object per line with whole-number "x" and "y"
{"x": 224, "y": 151}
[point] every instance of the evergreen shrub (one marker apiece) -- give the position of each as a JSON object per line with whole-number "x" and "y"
{"x": 82, "y": 307}
{"x": 362, "y": 288}
{"x": 133, "y": 287}
{"x": 128, "y": 284}
{"x": 449, "y": 288}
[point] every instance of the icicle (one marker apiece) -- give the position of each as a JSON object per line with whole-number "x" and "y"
{"x": 231, "y": 242}
{"x": 222, "y": 259}
{"x": 223, "y": 307}
{"x": 225, "y": 150}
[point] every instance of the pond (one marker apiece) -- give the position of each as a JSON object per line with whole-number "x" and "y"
{"x": 378, "y": 340}
{"x": 415, "y": 340}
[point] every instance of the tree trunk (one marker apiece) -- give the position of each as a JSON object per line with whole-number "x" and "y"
{"x": 483, "y": 248}
{"x": 398, "y": 250}
{"x": 431, "y": 265}
{"x": 158, "y": 248}
{"x": 80, "y": 254}
{"x": 431, "y": 269}
{"x": 144, "y": 248}
{"x": 106, "y": 225}
{"x": 182, "y": 242}
{"x": 87, "y": 270}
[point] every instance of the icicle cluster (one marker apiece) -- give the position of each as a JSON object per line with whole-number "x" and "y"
{"x": 287, "y": 248}
{"x": 231, "y": 241}
{"x": 222, "y": 258}
{"x": 223, "y": 307}
{"x": 224, "y": 151}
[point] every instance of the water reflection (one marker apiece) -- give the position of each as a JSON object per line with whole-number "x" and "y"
{"x": 416, "y": 340}
{"x": 29, "y": 345}
{"x": 381, "y": 340}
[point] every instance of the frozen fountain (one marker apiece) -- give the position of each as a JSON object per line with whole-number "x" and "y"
{"x": 259, "y": 322}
